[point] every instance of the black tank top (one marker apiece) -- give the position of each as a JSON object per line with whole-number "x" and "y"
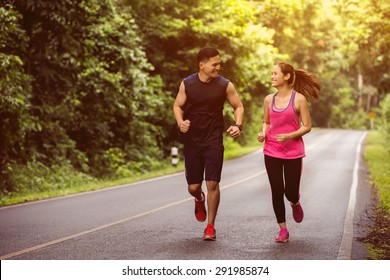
{"x": 204, "y": 107}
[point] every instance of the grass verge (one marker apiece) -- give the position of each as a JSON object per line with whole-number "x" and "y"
{"x": 377, "y": 154}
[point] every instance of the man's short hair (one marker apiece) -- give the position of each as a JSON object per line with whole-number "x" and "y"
{"x": 206, "y": 53}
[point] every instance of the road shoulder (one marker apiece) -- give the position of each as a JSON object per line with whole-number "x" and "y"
{"x": 365, "y": 205}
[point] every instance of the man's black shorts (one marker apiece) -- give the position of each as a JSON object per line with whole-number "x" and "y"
{"x": 205, "y": 161}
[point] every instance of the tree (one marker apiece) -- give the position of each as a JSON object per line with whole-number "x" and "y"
{"x": 180, "y": 28}
{"x": 15, "y": 93}
{"x": 374, "y": 48}
{"x": 81, "y": 85}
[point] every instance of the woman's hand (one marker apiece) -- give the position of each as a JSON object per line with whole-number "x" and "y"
{"x": 282, "y": 137}
{"x": 260, "y": 137}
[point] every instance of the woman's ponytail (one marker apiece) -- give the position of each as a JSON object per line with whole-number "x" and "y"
{"x": 302, "y": 81}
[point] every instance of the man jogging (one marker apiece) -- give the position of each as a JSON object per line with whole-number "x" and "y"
{"x": 198, "y": 111}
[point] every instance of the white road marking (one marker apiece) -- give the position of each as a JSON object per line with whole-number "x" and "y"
{"x": 345, "y": 250}
{"x": 76, "y": 235}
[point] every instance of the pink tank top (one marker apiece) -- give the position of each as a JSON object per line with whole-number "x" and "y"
{"x": 283, "y": 121}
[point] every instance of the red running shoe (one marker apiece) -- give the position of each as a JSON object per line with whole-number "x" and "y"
{"x": 297, "y": 212}
{"x": 209, "y": 233}
{"x": 283, "y": 236}
{"x": 200, "y": 209}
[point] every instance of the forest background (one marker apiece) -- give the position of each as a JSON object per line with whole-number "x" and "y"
{"x": 87, "y": 86}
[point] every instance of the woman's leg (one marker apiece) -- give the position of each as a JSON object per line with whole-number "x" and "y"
{"x": 274, "y": 168}
{"x": 292, "y": 176}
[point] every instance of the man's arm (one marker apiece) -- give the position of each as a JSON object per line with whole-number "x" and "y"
{"x": 184, "y": 125}
{"x": 266, "y": 120}
{"x": 234, "y": 100}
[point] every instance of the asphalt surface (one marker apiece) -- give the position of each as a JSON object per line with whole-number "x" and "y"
{"x": 154, "y": 220}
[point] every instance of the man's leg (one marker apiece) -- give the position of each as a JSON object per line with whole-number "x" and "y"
{"x": 213, "y": 197}
{"x": 194, "y": 165}
{"x": 213, "y": 169}
{"x": 200, "y": 210}
{"x": 195, "y": 190}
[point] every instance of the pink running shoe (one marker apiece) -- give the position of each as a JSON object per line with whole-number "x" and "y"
{"x": 297, "y": 212}
{"x": 209, "y": 233}
{"x": 200, "y": 209}
{"x": 283, "y": 236}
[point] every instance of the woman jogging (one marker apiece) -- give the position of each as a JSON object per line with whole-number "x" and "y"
{"x": 286, "y": 120}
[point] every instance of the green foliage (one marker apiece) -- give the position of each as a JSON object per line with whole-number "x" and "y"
{"x": 345, "y": 113}
{"x": 233, "y": 149}
{"x": 384, "y": 117}
{"x": 15, "y": 91}
{"x": 180, "y": 28}
{"x": 337, "y": 40}
{"x": 36, "y": 177}
{"x": 374, "y": 44}
{"x": 377, "y": 155}
{"x": 91, "y": 83}
{"x": 91, "y": 88}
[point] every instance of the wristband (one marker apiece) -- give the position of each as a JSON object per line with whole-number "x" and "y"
{"x": 239, "y": 126}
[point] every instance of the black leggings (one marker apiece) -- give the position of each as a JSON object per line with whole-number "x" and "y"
{"x": 284, "y": 176}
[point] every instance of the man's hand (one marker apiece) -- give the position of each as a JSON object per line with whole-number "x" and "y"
{"x": 234, "y": 131}
{"x": 184, "y": 126}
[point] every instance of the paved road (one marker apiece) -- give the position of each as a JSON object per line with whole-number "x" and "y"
{"x": 154, "y": 219}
